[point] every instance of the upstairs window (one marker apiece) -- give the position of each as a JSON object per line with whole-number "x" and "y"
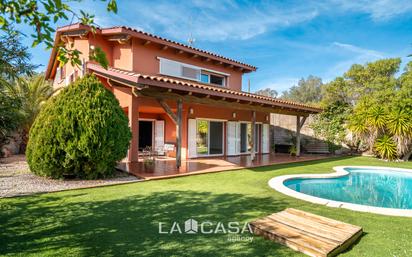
{"x": 171, "y": 68}
{"x": 205, "y": 78}
{"x": 217, "y": 80}
{"x": 187, "y": 71}
{"x": 213, "y": 79}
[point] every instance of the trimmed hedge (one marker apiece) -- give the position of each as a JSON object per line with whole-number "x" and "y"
{"x": 81, "y": 132}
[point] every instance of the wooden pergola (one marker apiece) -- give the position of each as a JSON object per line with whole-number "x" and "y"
{"x": 165, "y": 89}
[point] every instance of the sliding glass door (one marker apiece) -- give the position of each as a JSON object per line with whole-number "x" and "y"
{"x": 209, "y": 137}
{"x": 246, "y": 137}
{"x": 216, "y": 137}
{"x": 202, "y": 137}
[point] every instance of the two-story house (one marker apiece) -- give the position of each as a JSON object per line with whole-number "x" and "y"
{"x": 174, "y": 94}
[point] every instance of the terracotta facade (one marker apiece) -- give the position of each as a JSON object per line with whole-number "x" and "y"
{"x": 140, "y": 53}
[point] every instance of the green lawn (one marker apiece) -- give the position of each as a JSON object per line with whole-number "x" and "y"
{"x": 123, "y": 220}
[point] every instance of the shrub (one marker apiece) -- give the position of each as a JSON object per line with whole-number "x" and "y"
{"x": 385, "y": 147}
{"x": 81, "y": 132}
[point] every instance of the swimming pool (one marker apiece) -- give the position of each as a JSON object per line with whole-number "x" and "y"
{"x": 372, "y": 189}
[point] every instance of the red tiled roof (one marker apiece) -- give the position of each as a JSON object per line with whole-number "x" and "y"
{"x": 180, "y": 44}
{"x": 134, "y": 77}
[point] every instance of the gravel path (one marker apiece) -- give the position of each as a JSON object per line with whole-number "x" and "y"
{"x": 16, "y": 179}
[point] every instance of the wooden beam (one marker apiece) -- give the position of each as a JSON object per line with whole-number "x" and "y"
{"x": 152, "y": 93}
{"x": 164, "y": 48}
{"x": 135, "y": 92}
{"x": 252, "y": 151}
{"x": 168, "y": 110}
{"x": 302, "y": 122}
{"x": 75, "y": 33}
{"x": 179, "y": 52}
{"x": 179, "y": 133}
{"x": 194, "y": 56}
{"x": 121, "y": 38}
{"x": 147, "y": 42}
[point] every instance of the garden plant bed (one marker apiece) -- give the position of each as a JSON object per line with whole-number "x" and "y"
{"x": 16, "y": 179}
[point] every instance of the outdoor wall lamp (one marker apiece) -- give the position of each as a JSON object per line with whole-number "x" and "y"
{"x": 234, "y": 114}
{"x": 191, "y": 111}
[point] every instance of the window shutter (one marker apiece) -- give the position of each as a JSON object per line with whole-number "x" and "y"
{"x": 190, "y": 73}
{"x": 58, "y": 74}
{"x": 170, "y": 68}
{"x": 231, "y": 138}
{"x": 265, "y": 139}
{"x": 160, "y": 136}
{"x": 192, "y": 138}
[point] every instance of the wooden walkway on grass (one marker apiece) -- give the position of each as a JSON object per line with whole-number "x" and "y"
{"x": 308, "y": 233}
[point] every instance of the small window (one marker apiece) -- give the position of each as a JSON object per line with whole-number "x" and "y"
{"x": 217, "y": 80}
{"x": 204, "y": 78}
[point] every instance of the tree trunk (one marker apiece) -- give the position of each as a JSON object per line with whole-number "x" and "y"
{"x": 407, "y": 156}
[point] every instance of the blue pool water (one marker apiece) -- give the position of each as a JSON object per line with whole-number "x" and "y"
{"x": 373, "y": 187}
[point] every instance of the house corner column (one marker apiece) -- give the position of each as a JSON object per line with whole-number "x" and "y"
{"x": 133, "y": 115}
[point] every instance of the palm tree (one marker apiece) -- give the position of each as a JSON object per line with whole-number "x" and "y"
{"x": 32, "y": 93}
{"x": 400, "y": 126}
{"x": 358, "y": 124}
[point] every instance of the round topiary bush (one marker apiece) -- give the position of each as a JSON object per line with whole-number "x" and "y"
{"x": 81, "y": 132}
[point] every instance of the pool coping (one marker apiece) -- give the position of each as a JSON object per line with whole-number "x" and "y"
{"x": 277, "y": 183}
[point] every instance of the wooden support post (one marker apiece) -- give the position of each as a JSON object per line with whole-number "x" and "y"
{"x": 299, "y": 124}
{"x": 177, "y": 119}
{"x": 168, "y": 110}
{"x": 179, "y": 133}
{"x": 252, "y": 151}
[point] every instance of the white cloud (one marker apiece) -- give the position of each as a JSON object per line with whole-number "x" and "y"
{"x": 379, "y": 10}
{"x": 220, "y": 20}
{"x": 366, "y": 53}
{"x": 216, "y": 20}
{"x": 354, "y": 54}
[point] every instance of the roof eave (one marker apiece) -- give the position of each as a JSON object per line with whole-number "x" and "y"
{"x": 137, "y": 79}
{"x": 145, "y": 36}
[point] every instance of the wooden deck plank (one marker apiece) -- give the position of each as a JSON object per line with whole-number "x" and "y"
{"x": 342, "y": 233}
{"x": 291, "y": 238}
{"x": 308, "y": 233}
{"x": 310, "y": 227}
{"x": 331, "y": 222}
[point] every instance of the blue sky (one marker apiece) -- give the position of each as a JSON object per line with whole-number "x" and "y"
{"x": 286, "y": 40}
